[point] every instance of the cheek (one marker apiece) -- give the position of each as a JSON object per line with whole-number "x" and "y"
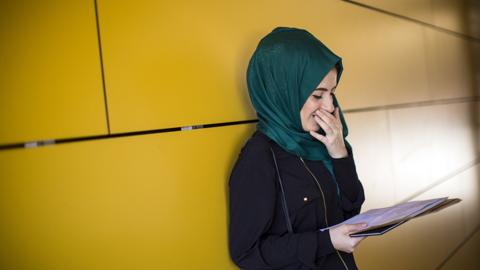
{"x": 305, "y": 112}
{"x": 310, "y": 114}
{"x": 312, "y": 107}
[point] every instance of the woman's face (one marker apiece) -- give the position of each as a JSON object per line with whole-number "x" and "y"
{"x": 320, "y": 99}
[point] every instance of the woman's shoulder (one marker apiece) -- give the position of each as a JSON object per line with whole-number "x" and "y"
{"x": 257, "y": 145}
{"x": 255, "y": 153}
{"x": 254, "y": 163}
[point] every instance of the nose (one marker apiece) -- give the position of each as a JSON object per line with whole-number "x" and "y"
{"x": 327, "y": 104}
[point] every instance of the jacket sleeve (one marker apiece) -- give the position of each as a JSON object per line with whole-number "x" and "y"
{"x": 352, "y": 193}
{"x": 252, "y": 200}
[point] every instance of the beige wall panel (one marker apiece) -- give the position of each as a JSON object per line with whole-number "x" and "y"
{"x": 454, "y": 137}
{"x": 429, "y": 143}
{"x": 369, "y": 137}
{"x": 470, "y": 190}
{"x": 475, "y": 58}
{"x": 145, "y": 202}
{"x": 460, "y": 16}
{"x": 50, "y": 77}
{"x": 423, "y": 242}
{"x": 383, "y": 56}
{"x": 411, "y": 137}
{"x": 454, "y": 15}
{"x": 450, "y": 65}
{"x": 166, "y": 62}
{"x": 467, "y": 257}
{"x": 415, "y": 9}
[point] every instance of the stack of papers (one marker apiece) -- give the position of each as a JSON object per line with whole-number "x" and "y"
{"x": 381, "y": 220}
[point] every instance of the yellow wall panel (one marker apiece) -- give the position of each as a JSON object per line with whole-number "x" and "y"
{"x": 383, "y": 57}
{"x": 171, "y": 64}
{"x": 145, "y": 202}
{"x": 50, "y": 77}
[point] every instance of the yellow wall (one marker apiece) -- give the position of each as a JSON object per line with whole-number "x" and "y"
{"x": 111, "y": 198}
{"x": 50, "y": 79}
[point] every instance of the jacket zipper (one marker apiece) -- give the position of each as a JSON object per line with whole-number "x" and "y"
{"x": 324, "y": 205}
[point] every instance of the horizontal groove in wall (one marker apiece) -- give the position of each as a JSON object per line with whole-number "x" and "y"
{"x": 415, "y": 104}
{"x": 441, "y": 29}
{"x": 144, "y": 132}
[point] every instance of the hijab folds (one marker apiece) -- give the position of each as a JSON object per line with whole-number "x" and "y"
{"x": 287, "y": 65}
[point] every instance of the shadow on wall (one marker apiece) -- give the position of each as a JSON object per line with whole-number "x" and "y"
{"x": 472, "y": 25}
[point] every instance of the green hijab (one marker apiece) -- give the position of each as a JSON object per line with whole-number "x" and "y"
{"x": 287, "y": 65}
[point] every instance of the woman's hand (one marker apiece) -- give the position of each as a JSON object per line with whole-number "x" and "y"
{"x": 340, "y": 237}
{"x": 333, "y": 128}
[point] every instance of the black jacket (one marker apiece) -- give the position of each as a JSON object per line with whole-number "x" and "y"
{"x": 258, "y": 235}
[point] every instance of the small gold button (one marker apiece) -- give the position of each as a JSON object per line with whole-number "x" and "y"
{"x": 305, "y": 199}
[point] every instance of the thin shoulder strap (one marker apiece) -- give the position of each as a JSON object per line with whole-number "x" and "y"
{"x": 284, "y": 200}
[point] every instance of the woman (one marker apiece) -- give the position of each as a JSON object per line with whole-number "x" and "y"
{"x": 296, "y": 174}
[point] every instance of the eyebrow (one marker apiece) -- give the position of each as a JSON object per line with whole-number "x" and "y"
{"x": 325, "y": 89}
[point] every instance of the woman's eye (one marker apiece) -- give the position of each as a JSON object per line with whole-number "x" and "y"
{"x": 319, "y": 97}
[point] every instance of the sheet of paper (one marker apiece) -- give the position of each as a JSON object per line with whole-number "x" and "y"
{"x": 380, "y": 216}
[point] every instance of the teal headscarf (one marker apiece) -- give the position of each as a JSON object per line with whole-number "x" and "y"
{"x": 287, "y": 65}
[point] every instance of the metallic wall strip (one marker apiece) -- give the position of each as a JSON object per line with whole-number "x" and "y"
{"x": 34, "y": 144}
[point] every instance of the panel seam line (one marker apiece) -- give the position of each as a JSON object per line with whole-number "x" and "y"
{"x": 102, "y": 68}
